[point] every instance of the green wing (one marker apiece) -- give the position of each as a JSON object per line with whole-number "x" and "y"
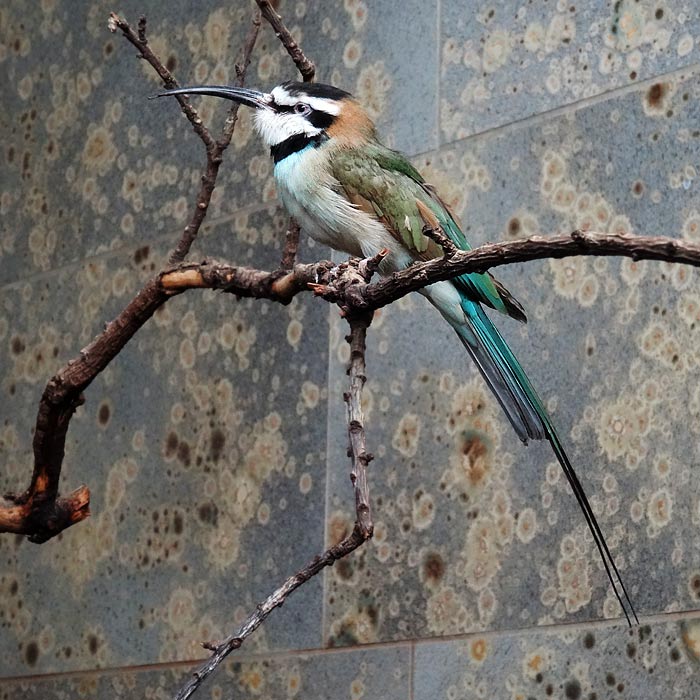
{"x": 384, "y": 184}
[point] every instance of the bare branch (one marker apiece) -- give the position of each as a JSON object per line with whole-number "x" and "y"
{"x": 361, "y": 532}
{"x": 281, "y": 285}
{"x": 39, "y": 512}
{"x": 42, "y": 518}
{"x": 438, "y": 235}
{"x": 291, "y": 245}
{"x": 263, "y": 610}
{"x": 214, "y": 154}
{"x": 347, "y": 284}
{"x": 139, "y": 40}
{"x": 303, "y": 64}
{"x": 241, "y": 69}
{"x": 308, "y": 72}
{"x": 492, "y": 255}
{"x": 356, "y": 427}
{"x": 434, "y": 231}
{"x": 214, "y": 148}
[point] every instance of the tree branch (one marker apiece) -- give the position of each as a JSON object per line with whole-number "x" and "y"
{"x": 281, "y": 285}
{"x": 139, "y": 40}
{"x": 291, "y": 245}
{"x": 308, "y": 72}
{"x": 357, "y": 450}
{"x": 39, "y": 512}
{"x": 362, "y": 531}
{"x": 492, "y": 255}
{"x": 275, "y": 600}
{"x": 40, "y": 518}
{"x": 241, "y": 68}
{"x": 303, "y": 64}
{"x": 347, "y": 286}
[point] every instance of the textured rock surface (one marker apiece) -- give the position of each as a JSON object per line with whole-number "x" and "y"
{"x": 215, "y": 444}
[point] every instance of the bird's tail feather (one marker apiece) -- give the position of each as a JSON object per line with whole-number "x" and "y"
{"x": 509, "y": 383}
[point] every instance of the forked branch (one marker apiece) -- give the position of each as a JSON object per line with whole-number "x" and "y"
{"x": 214, "y": 148}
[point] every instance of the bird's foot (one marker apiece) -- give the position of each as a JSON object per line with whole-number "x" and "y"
{"x": 319, "y": 289}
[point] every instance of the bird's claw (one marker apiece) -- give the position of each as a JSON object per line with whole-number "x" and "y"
{"x": 319, "y": 289}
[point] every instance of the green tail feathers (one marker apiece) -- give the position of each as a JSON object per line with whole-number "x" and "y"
{"x": 516, "y": 395}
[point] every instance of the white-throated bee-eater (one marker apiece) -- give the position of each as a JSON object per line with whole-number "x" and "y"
{"x": 350, "y": 192}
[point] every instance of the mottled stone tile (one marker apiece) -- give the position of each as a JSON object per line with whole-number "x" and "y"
{"x": 379, "y": 673}
{"x": 501, "y": 62}
{"x": 474, "y": 530}
{"x": 204, "y": 446}
{"x": 89, "y": 164}
{"x": 652, "y": 660}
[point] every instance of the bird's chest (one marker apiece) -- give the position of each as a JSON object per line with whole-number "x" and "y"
{"x": 313, "y": 197}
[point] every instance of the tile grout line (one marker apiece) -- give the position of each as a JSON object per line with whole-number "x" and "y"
{"x": 438, "y": 71}
{"x": 582, "y": 626}
{"x": 569, "y": 108}
{"x": 412, "y": 670}
{"x": 127, "y": 247}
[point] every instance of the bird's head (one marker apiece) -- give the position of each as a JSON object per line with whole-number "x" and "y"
{"x": 293, "y": 115}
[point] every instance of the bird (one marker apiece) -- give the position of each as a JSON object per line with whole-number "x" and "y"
{"x": 352, "y": 193}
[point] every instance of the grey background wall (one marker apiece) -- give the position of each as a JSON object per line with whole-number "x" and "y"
{"x": 215, "y": 444}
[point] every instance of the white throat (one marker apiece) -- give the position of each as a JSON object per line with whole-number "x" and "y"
{"x": 274, "y": 128}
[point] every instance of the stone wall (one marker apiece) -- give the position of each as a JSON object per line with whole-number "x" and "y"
{"x": 215, "y": 444}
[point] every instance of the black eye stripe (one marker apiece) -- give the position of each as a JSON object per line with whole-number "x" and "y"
{"x": 316, "y": 117}
{"x": 320, "y": 119}
{"x": 282, "y": 109}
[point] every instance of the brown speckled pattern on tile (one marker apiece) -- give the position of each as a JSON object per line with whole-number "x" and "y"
{"x": 215, "y": 444}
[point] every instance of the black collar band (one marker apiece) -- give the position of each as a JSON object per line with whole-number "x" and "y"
{"x": 294, "y": 144}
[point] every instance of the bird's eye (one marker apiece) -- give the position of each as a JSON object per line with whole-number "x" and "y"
{"x": 302, "y": 108}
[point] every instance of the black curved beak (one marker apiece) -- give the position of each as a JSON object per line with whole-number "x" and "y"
{"x": 245, "y": 96}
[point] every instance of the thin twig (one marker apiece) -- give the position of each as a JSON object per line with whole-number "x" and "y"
{"x": 291, "y": 245}
{"x": 441, "y": 238}
{"x": 214, "y": 155}
{"x": 361, "y": 532}
{"x": 357, "y": 450}
{"x": 241, "y": 69}
{"x": 214, "y": 149}
{"x": 303, "y": 64}
{"x": 434, "y": 231}
{"x": 139, "y": 40}
{"x": 262, "y": 610}
{"x": 308, "y": 72}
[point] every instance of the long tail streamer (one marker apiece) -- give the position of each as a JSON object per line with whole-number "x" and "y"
{"x": 508, "y": 381}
